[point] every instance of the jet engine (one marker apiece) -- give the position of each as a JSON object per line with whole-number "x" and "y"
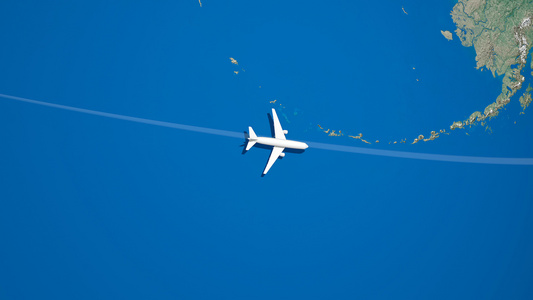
{"x": 282, "y": 154}
{"x": 285, "y": 131}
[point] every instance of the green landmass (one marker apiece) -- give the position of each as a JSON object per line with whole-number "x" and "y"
{"x": 525, "y": 99}
{"x": 501, "y": 32}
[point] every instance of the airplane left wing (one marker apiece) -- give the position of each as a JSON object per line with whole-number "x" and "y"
{"x": 276, "y": 152}
{"x": 278, "y": 131}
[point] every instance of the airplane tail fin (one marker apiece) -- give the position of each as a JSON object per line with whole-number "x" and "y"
{"x": 251, "y": 136}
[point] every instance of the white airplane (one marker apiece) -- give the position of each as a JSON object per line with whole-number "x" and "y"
{"x": 278, "y": 142}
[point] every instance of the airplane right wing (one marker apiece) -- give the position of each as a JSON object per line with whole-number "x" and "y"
{"x": 276, "y": 152}
{"x": 278, "y": 131}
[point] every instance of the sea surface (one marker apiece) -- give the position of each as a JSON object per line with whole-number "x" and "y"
{"x": 96, "y": 208}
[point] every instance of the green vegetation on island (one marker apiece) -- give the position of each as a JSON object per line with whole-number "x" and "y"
{"x": 501, "y": 32}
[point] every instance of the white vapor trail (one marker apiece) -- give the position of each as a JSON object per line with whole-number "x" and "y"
{"x": 128, "y": 118}
{"x": 331, "y": 147}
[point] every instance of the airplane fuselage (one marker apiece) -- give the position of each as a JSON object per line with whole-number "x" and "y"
{"x": 279, "y": 142}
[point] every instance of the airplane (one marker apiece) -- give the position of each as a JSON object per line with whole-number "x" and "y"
{"x": 278, "y": 142}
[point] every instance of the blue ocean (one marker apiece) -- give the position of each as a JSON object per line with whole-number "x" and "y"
{"x": 102, "y": 208}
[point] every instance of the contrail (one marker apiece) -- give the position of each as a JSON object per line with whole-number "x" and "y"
{"x": 425, "y": 156}
{"x": 331, "y": 147}
{"x": 128, "y": 118}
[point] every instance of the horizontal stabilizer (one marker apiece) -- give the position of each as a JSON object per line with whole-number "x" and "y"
{"x": 249, "y": 145}
{"x": 251, "y": 137}
{"x": 251, "y": 133}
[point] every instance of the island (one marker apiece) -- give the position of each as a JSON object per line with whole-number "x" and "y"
{"x": 448, "y": 35}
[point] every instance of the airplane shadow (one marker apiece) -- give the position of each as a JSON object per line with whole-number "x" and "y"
{"x": 271, "y": 122}
{"x": 246, "y": 136}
